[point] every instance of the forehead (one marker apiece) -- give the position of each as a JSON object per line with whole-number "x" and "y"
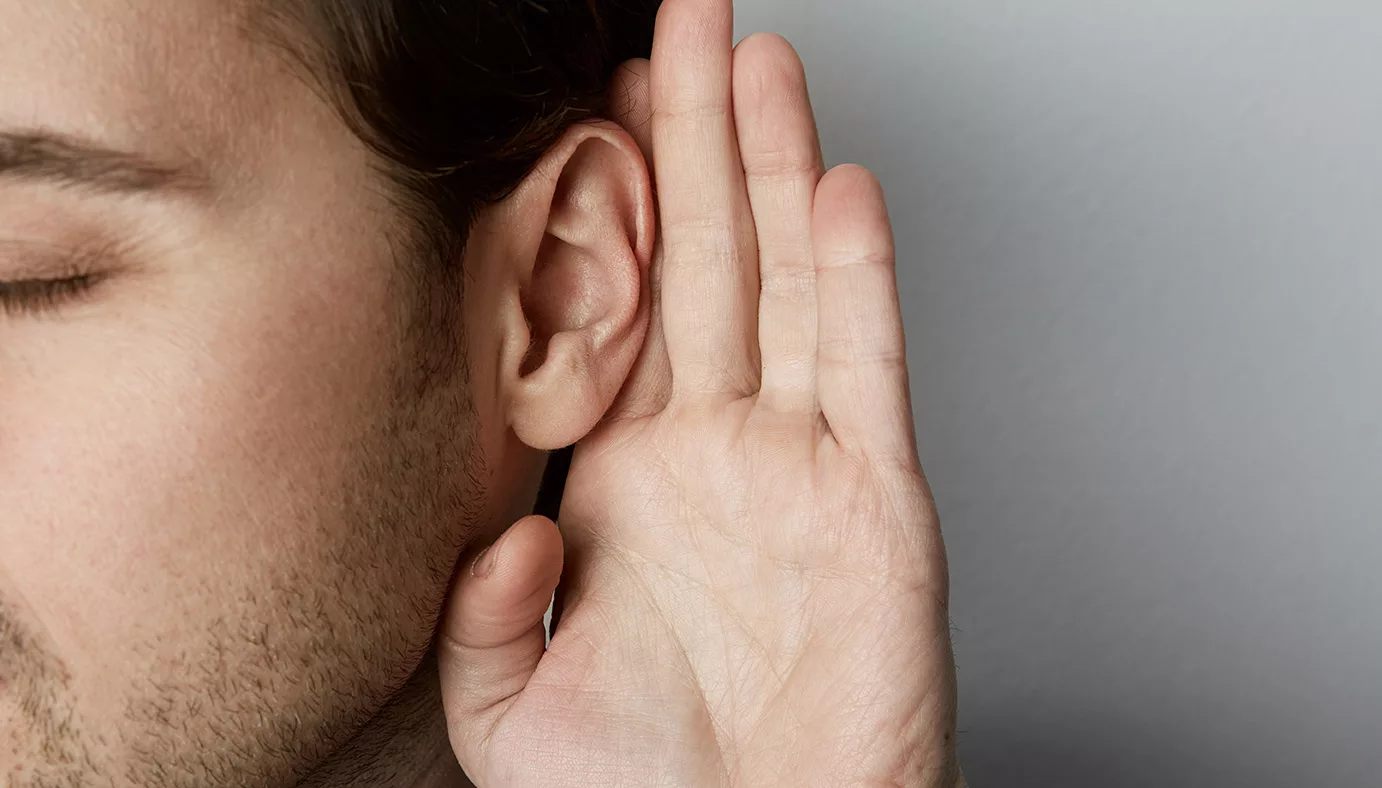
{"x": 174, "y": 78}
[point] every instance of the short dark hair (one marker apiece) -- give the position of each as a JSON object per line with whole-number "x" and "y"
{"x": 459, "y": 99}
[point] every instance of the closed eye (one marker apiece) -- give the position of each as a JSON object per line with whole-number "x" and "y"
{"x": 39, "y": 296}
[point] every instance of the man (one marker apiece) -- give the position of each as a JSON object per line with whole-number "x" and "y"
{"x": 297, "y": 297}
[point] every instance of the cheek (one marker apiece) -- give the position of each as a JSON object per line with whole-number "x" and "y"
{"x": 166, "y": 473}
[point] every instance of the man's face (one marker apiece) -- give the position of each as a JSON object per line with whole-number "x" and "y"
{"x": 229, "y": 507}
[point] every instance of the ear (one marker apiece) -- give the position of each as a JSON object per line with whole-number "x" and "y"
{"x": 578, "y": 234}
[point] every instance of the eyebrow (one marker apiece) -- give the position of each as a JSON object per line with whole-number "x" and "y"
{"x": 57, "y": 158}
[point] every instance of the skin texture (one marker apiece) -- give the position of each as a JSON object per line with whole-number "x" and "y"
{"x": 230, "y": 504}
{"x": 753, "y": 585}
{"x": 194, "y": 458}
{"x": 238, "y": 473}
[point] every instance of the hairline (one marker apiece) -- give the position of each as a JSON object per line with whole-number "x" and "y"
{"x": 286, "y": 27}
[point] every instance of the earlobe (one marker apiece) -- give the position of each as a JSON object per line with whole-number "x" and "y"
{"x": 581, "y": 236}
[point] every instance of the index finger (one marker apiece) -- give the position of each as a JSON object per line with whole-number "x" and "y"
{"x": 710, "y": 276}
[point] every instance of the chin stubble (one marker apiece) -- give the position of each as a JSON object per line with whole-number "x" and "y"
{"x": 35, "y": 694}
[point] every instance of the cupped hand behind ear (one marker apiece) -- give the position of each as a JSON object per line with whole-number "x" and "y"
{"x": 754, "y": 580}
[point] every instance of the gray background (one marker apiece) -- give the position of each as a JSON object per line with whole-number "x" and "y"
{"x": 1141, "y": 269}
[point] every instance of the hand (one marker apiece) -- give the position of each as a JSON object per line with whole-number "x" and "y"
{"x": 755, "y": 586}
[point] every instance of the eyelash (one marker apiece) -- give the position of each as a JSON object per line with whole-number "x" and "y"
{"x": 39, "y": 296}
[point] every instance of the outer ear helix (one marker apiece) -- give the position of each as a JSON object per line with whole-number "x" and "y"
{"x": 582, "y": 313}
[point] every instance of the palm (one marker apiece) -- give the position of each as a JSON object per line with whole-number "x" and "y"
{"x": 755, "y": 591}
{"x": 763, "y": 592}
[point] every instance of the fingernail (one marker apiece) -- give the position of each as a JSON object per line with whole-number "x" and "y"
{"x": 484, "y": 563}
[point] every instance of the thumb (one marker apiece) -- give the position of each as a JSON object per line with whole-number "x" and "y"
{"x": 492, "y": 637}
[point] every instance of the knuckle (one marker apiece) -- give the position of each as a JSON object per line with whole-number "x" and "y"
{"x": 690, "y": 109}
{"x": 847, "y": 354}
{"x": 785, "y": 281}
{"x": 782, "y": 164}
{"x": 859, "y": 261}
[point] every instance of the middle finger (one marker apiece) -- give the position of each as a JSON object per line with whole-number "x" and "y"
{"x": 710, "y": 273}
